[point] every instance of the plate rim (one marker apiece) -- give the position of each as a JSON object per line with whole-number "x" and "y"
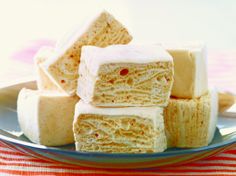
{"x": 118, "y": 155}
{"x": 108, "y": 155}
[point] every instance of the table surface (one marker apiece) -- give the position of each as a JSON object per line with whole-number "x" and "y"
{"x": 13, "y": 162}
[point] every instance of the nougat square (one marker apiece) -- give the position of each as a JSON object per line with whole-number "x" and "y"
{"x": 190, "y": 68}
{"x": 101, "y": 31}
{"x": 46, "y": 118}
{"x": 125, "y": 75}
{"x": 119, "y": 130}
{"x": 191, "y": 123}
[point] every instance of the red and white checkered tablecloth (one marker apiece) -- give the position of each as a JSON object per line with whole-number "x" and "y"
{"x": 221, "y": 74}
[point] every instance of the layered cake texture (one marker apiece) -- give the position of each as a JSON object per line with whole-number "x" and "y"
{"x": 191, "y": 123}
{"x": 119, "y": 130}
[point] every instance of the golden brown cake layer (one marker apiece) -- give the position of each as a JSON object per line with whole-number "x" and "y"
{"x": 191, "y": 122}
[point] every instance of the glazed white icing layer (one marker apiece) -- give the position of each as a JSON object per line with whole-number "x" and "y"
{"x": 70, "y": 38}
{"x": 190, "y": 46}
{"x": 213, "y": 114}
{"x": 94, "y": 57}
{"x": 145, "y": 112}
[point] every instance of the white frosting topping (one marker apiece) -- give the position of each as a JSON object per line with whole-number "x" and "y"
{"x": 201, "y": 78}
{"x": 145, "y": 112}
{"x": 190, "y": 46}
{"x": 45, "y": 93}
{"x": 213, "y": 114}
{"x": 94, "y": 56}
{"x": 70, "y": 38}
{"x": 27, "y": 106}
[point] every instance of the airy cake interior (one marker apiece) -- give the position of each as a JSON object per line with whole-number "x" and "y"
{"x": 133, "y": 84}
{"x": 187, "y": 121}
{"x": 104, "y": 31}
{"x": 118, "y": 134}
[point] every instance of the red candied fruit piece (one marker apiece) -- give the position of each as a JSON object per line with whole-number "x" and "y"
{"x": 124, "y": 72}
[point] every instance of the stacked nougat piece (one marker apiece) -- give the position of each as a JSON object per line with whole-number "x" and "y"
{"x": 191, "y": 115}
{"x": 62, "y": 67}
{"x": 46, "y": 115}
{"x": 123, "y": 89}
{"x": 119, "y": 130}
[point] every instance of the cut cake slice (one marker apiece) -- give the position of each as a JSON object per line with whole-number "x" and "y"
{"x": 119, "y": 130}
{"x": 103, "y": 30}
{"x": 125, "y": 75}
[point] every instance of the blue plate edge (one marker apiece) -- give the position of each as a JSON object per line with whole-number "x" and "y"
{"x": 116, "y": 155}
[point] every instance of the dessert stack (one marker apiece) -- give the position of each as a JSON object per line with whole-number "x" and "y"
{"x": 191, "y": 115}
{"x": 123, "y": 89}
{"x": 106, "y": 95}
